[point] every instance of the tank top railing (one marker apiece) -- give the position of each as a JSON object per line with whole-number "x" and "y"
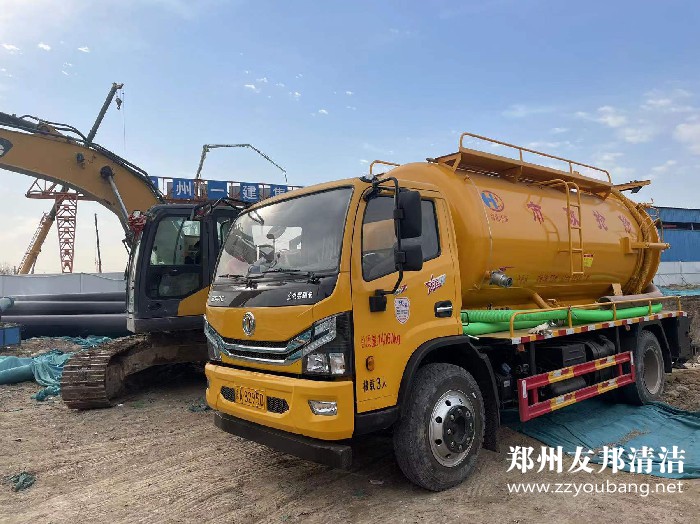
{"x": 521, "y": 150}
{"x": 622, "y": 304}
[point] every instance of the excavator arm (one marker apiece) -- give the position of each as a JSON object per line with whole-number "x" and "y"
{"x": 38, "y": 149}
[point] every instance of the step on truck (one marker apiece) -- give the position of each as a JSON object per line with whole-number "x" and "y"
{"x": 428, "y": 298}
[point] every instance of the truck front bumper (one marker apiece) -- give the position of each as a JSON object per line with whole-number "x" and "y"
{"x": 288, "y": 396}
{"x": 324, "y": 452}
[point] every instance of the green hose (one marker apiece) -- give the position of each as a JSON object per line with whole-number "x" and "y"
{"x": 483, "y": 321}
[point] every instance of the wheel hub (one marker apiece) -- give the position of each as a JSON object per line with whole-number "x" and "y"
{"x": 451, "y": 430}
{"x": 458, "y": 429}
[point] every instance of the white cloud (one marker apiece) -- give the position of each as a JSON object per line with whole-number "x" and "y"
{"x": 65, "y": 73}
{"x": 84, "y": 49}
{"x": 252, "y": 87}
{"x": 279, "y": 84}
{"x": 363, "y": 161}
{"x": 673, "y": 101}
{"x": 606, "y": 115}
{"x": 351, "y": 108}
{"x": 549, "y": 145}
{"x": 559, "y": 130}
{"x": 11, "y": 48}
{"x": 688, "y": 134}
{"x": 522, "y": 110}
{"x": 262, "y": 80}
{"x": 246, "y": 72}
{"x": 637, "y": 135}
{"x": 67, "y": 64}
{"x": 322, "y": 112}
{"x": 299, "y": 75}
{"x": 607, "y": 158}
{"x": 657, "y": 102}
{"x": 664, "y": 167}
{"x": 349, "y": 93}
{"x": 610, "y": 117}
{"x": 45, "y": 47}
{"x": 296, "y": 95}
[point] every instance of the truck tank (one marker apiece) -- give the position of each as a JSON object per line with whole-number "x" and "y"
{"x": 562, "y": 238}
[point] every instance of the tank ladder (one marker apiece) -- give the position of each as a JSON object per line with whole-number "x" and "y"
{"x": 574, "y": 224}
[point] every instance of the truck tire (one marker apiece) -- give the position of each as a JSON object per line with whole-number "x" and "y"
{"x": 650, "y": 379}
{"x": 437, "y": 441}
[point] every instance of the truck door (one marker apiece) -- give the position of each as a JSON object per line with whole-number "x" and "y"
{"x": 425, "y": 306}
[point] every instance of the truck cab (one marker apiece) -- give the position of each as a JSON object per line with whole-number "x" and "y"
{"x": 296, "y": 341}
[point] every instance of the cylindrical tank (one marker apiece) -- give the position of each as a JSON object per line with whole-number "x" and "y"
{"x": 521, "y": 230}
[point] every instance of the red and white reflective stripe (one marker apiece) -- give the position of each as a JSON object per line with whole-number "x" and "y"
{"x": 529, "y": 386}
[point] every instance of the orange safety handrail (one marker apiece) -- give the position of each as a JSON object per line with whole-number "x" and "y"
{"x": 521, "y": 149}
{"x": 597, "y": 305}
{"x": 383, "y": 163}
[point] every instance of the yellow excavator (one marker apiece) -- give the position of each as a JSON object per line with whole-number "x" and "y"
{"x": 173, "y": 250}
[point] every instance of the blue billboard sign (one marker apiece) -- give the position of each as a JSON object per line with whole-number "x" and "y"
{"x": 250, "y": 192}
{"x": 217, "y": 189}
{"x": 183, "y": 188}
{"x": 277, "y": 190}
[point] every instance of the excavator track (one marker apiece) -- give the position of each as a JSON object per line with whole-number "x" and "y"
{"x": 87, "y": 382}
{"x": 94, "y": 378}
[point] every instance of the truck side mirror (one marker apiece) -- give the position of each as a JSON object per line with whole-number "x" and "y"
{"x": 409, "y": 214}
{"x": 410, "y": 258}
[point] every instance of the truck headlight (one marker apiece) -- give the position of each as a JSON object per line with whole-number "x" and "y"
{"x": 212, "y": 342}
{"x": 327, "y": 347}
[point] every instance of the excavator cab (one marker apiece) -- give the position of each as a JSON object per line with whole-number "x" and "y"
{"x": 171, "y": 266}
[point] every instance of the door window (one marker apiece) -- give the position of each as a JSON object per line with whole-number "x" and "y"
{"x": 223, "y": 224}
{"x": 379, "y": 238}
{"x": 175, "y": 265}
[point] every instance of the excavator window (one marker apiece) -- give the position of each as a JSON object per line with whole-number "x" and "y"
{"x": 175, "y": 266}
{"x": 379, "y": 239}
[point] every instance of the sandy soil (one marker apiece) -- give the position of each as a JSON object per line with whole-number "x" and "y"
{"x": 153, "y": 460}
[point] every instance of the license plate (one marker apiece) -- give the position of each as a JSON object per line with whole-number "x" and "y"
{"x": 254, "y": 398}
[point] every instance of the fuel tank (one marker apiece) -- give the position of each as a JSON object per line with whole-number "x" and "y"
{"x": 535, "y": 233}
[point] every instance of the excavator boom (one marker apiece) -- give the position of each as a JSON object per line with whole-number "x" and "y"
{"x": 40, "y": 151}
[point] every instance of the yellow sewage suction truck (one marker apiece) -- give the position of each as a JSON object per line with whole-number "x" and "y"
{"x": 426, "y": 299}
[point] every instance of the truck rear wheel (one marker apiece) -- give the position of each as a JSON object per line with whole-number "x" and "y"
{"x": 437, "y": 441}
{"x": 650, "y": 378}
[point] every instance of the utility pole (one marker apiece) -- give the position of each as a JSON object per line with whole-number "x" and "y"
{"x": 99, "y": 256}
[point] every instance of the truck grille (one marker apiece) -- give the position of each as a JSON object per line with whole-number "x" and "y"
{"x": 228, "y": 393}
{"x": 277, "y": 405}
{"x": 274, "y": 404}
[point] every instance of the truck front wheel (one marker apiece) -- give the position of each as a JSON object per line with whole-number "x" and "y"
{"x": 437, "y": 440}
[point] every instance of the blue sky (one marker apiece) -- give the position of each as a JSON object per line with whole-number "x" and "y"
{"x": 326, "y": 87}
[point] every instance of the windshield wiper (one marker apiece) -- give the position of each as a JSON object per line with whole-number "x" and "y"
{"x": 227, "y": 275}
{"x": 313, "y": 276}
{"x": 284, "y": 270}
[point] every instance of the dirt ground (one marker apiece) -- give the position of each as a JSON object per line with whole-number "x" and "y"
{"x": 153, "y": 460}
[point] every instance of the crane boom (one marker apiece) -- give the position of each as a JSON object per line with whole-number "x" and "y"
{"x": 29, "y": 259}
{"x": 208, "y": 147}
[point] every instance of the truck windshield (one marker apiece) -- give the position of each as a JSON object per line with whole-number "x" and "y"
{"x": 299, "y": 235}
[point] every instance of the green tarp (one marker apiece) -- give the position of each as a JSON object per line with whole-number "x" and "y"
{"x": 45, "y": 369}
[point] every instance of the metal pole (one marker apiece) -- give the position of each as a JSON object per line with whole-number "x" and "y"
{"x": 99, "y": 256}
{"x": 101, "y": 115}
